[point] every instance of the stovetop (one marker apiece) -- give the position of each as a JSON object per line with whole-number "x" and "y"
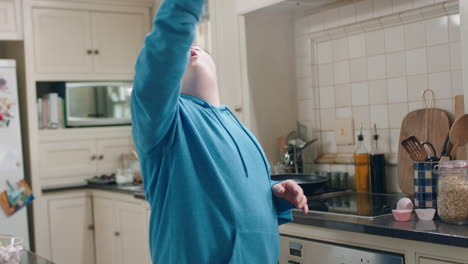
{"x": 353, "y": 204}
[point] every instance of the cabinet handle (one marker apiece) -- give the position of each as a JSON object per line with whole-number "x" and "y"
{"x": 96, "y": 52}
{"x": 101, "y": 157}
{"x": 94, "y": 157}
{"x": 90, "y": 227}
{"x": 116, "y": 233}
{"x": 238, "y": 108}
{"x": 89, "y": 52}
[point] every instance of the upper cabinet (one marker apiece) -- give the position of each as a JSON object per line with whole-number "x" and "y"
{"x": 87, "y": 42}
{"x": 11, "y": 27}
{"x": 244, "y": 6}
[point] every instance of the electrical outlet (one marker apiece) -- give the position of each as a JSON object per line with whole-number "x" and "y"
{"x": 344, "y": 132}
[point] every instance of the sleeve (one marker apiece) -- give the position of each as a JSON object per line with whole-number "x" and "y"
{"x": 159, "y": 70}
{"x": 283, "y": 208}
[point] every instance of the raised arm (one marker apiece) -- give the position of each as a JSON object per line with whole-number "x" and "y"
{"x": 160, "y": 68}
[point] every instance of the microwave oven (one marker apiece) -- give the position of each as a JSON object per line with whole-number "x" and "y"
{"x": 97, "y": 103}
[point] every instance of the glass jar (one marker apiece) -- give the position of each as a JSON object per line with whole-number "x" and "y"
{"x": 452, "y": 188}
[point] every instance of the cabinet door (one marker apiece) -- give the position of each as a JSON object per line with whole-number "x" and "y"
{"x": 67, "y": 162}
{"x": 62, "y": 41}
{"x": 117, "y": 40}
{"x": 110, "y": 153}
{"x": 435, "y": 261}
{"x": 10, "y": 19}
{"x": 105, "y": 231}
{"x": 132, "y": 226}
{"x": 71, "y": 231}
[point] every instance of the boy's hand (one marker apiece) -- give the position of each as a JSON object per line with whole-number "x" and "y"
{"x": 290, "y": 191}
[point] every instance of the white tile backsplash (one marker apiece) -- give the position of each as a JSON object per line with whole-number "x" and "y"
{"x": 396, "y": 113}
{"x": 376, "y": 76}
{"x": 358, "y": 69}
{"x": 325, "y": 74}
{"x": 455, "y": 56}
{"x": 357, "y": 46}
{"x": 376, "y": 67}
{"x": 343, "y": 95}
{"x": 341, "y": 72}
{"x": 396, "y": 64}
{"x": 375, "y": 42}
{"x": 416, "y": 61}
{"x": 438, "y": 58}
{"x": 379, "y": 116}
{"x": 441, "y": 83}
{"x": 378, "y": 92}
{"x": 327, "y": 97}
{"x": 394, "y": 39}
{"x": 437, "y": 31}
{"x": 360, "y": 93}
{"x": 397, "y": 91}
{"x": 340, "y": 49}
{"x": 454, "y": 27}
{"x": 415, "y": 35}
{"x": 324, "y": 52}
{"x": 416, "y": 85}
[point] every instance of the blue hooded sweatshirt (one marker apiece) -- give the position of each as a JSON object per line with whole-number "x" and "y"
{"x": 206, "y": 177}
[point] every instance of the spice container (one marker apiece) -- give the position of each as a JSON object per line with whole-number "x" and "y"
{"x": 453, "y": 191}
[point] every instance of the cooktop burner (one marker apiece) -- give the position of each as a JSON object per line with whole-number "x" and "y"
{"x": 352, "y": 204}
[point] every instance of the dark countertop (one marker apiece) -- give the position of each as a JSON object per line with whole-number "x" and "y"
{"x": 135, "y": 190}
{"x": 434, "y": 231}
{"x": 425, "y": 231}
{"x": 27, "y": 257}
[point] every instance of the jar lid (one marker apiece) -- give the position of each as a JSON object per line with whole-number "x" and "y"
{"x": 453, "y": 164}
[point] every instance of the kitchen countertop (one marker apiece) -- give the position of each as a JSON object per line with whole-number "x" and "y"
{"x": 27, "y": 257}
{"x": 434, "y": 231}
{"x": 135, "y": 190}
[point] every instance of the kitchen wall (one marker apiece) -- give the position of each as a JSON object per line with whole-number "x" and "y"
{"x": 370, "y": 60}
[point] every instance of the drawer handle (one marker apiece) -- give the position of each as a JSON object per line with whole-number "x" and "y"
{"x": 96, "y": 52}
{"x": 89, "y": 52}
{"x": 94, "y": 157}
{"x": 101, "y": 157}
{"x": 90, "y": 227}
{"x": 116, "y": 233}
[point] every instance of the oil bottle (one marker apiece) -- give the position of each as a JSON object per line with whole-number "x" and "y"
{"x": 361, "y": 165}
{"x": 377, "y": 166}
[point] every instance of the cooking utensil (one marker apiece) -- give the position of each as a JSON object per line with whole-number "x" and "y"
{"x": 460, "y": 153}
{"x": 310, "y": 183}
{"x": 415, "y": 149}
{"x": 458, "y": 133}
{"x": 444, "y": 154}
{"x": 434, "y": 157}
{"x": 427, "y": 124}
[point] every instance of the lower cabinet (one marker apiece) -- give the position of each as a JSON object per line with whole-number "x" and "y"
{"x": 71, "y": 232}
{"x": 121, "y": 232}
{"x": 94, "y": 227}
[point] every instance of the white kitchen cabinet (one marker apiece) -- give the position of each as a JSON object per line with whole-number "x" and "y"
{"x": 85, "y": 42}
{"x": 71, "y": 161}
{"x": 71, "y": 229}
{"x": 244, "y": 6}
{"x": 11, "y": 26}
{"x": 118, "y": 39}
{"x": 62, "y": 41}
{"x": 109, "y": 153}
{"x": 121, "y": 232}
{"x": 424, "y": 260}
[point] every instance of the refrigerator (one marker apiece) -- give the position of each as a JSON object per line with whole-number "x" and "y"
{"x": 11, "y": 151}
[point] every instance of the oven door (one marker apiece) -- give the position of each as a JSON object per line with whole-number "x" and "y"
{"x": 306, "y": 251}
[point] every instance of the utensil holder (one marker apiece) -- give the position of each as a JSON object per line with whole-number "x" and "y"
{"x": 425, "y": 184}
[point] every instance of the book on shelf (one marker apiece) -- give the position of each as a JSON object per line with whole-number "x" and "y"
{"x": 50, "y": 110}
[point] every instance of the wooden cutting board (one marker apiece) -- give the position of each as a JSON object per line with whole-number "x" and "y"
{"x": 459, "y": 111}
{"x": 428, "y": 124}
